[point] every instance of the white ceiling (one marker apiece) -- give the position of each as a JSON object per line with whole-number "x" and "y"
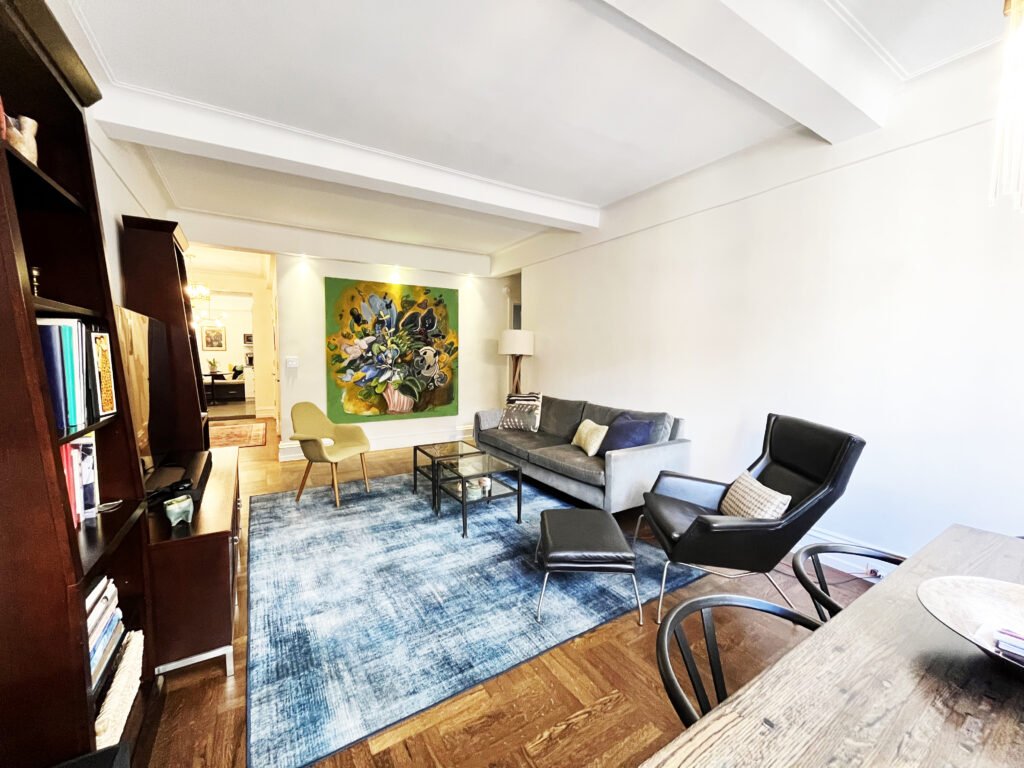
{"x": 212, "y": 186}
{"x": 472, "y": 124}
{"x": 915, "y": 36}
{"x": 204, "y": 258}
{"x": 551, "y": 95}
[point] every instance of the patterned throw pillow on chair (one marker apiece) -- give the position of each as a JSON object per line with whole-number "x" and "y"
{"x": 748, "y": 498}
{"x": 522, "y": 413}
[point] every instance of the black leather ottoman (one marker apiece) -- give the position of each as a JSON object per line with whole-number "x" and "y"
{"x": 583, "y": 541}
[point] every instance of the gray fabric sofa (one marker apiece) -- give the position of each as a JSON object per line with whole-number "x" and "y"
{"x": 613, "y": 483}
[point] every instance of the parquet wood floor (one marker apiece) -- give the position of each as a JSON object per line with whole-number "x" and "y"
{"x": 595, "y": 700}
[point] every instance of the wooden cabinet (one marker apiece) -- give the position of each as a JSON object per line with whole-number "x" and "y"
{"x": 193, "y": 574}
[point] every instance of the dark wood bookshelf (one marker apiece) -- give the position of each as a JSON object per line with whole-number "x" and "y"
{"x": 49, "y": 219}
{"x": 48, "y": 307}
{"x": 78, "y": 430}
{"x": 100, "y": 537}
{"x": 41, "y": 190}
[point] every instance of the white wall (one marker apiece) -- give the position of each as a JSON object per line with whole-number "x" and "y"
{"x": 125, "y": 184}
{"x": 483, "y": 310}
{"x": 870, "y": 286}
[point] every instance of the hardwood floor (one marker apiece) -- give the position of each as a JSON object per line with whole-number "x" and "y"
{"x": 595, "y": 700}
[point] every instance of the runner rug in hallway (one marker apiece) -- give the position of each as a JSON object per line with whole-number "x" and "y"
{"x": 365, "y": 615}
{"x": 243, "y": 435}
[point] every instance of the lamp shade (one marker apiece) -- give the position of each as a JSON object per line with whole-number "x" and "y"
{"x": 515, "y": 343}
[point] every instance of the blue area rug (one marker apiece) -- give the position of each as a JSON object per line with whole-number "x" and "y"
{"x": 362, "y": 616}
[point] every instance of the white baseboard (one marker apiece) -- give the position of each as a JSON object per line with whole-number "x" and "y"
{"x": 289, "y": 450}
{"x": 855, "y": 566}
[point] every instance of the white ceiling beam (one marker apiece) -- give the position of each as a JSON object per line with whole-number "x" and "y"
{"x": 799, "y": 56}
{"x": 160, "y": 121}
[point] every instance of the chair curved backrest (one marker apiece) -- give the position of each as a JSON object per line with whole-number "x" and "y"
{"x": 811, "y": 463}
{"x": 308, "y": 419}
{"x": 672, "y": 628}
{"x": 824, "y": 603}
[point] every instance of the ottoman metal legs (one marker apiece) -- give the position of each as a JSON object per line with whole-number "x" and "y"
{"x": 636, "y": 591}
{"x": 584, "y": 541}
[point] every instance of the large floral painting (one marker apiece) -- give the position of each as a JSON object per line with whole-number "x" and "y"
{"x": 392, "y": 350}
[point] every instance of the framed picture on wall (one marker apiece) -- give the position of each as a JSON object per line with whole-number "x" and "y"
{"x": 247, "y": 339}
{"x": 214, "y": 339}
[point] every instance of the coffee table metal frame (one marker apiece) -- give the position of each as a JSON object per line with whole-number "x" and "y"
{"x": 430, "y": 470}
{"x": 455, "y": 486}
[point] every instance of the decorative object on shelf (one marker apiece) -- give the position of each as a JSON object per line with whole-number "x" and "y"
{"x": 517, "y": 344}
{"x": 978, "y": 609}
{"x": 213, "y": 364}
{"x": 247, "y": 339}
{"x": 103, "y": 367}
{"x": 33, "y": 274}
{"x": 21, "y": 134}
{"x": 179, "y": 510}
{"x": 1008, "y": 164}
{"x": 392, "y": 350}
{"x": 214, "y": 339}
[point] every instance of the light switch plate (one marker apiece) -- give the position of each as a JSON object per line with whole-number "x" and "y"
{"x": 291, "y": 362}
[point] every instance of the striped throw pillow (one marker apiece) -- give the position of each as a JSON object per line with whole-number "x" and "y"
{"x": 522, "y": 413}
{"x": 748, "y": 498}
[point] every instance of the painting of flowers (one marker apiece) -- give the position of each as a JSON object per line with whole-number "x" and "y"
{"x": 392, "y": 350}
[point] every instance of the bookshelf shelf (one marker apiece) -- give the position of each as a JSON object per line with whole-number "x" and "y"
{"x": 76, "y": 431}
{"x": 40, "y": 190}
{"x": 99, "y": 537}
{"x": 50, "y": 307}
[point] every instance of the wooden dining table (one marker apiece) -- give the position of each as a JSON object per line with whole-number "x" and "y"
{"x": 882, "y": 684}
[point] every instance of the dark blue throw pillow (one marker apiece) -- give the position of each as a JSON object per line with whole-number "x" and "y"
{"x": 626, "y": 432}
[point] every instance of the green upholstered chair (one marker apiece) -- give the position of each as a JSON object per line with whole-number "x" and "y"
{"x": 312, "y": 427}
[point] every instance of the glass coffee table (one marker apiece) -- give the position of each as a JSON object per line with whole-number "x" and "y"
{"x": 435, "y": 452}
{"x": 472, "y": 479}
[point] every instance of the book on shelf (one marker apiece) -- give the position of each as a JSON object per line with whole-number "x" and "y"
{"x": 96, "y": 593}
{"x": 79, "y": 371}
{"x": 97, "y": 616}
{"x": 106, "y": 657}
{"x": 104, "y": 638}
{"x": 81, "y": 475}
{"x": 124, "y": 685}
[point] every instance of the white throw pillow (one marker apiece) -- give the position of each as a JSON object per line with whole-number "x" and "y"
{"x": 748, "y": 498}
{"x": 589, "y": 436}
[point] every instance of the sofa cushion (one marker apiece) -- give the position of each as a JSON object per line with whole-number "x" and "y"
{"x": 672, "y": 516}
{"x": 601, "y": 414}
{"x": 570, "y": 461}
{"x": 626, "y": 432}
{"x": 662, "y": 423}
{"x": 560, "y": 417}
{"x": 518, "y": 443}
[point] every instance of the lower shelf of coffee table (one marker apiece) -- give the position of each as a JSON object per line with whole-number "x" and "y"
{"x": 499, "y": 490}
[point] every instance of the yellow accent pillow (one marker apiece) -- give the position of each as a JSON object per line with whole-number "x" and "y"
{"x": 589, "y": 436}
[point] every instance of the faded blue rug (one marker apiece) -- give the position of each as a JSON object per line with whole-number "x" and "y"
{"x": 362, "y": 616}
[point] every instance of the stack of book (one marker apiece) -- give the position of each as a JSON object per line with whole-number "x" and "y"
{"x": 79, "y": 370}
{"x": 1010, "y": 644}
{"x": 81, "y": 476}
{"x": 106, "y": 630}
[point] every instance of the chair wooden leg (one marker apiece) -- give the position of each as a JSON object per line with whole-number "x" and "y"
{"x": 334, "y": 477}
{"x": 366, "y": 479}
{"x": 302, "y": 485}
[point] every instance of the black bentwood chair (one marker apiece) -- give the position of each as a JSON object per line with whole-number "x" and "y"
{"x": 824, "y": 603}
{"x": 809, "y": 462}
{"x": 673, "y": 628}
